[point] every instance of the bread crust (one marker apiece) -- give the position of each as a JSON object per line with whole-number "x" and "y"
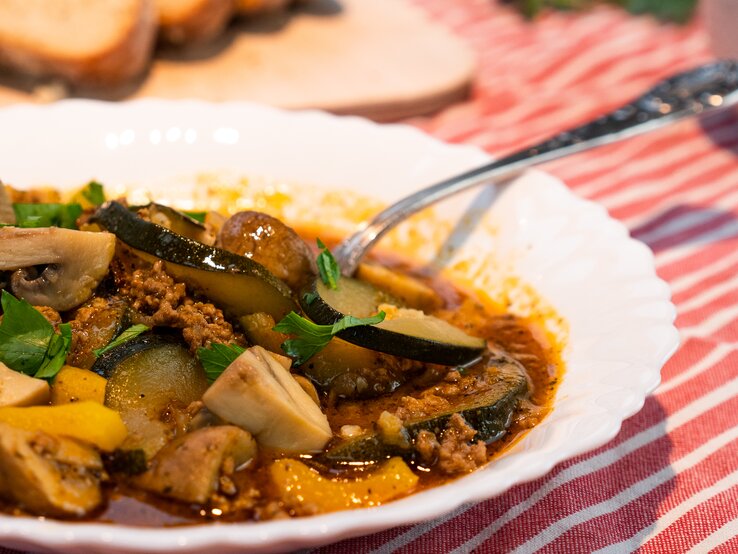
{"x": 251, "y": 7}
{"x": 199, "y": 21}
{"x": 114, "y": 64}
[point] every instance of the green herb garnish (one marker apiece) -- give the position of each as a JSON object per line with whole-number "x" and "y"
{"x": 310, "y": 297}
{"x": 327, "y": 266}
{"x": 217, "y": 357}
{"x": 28, "y": 342}
{"x": 311, "y": 338}
{"x": 93, "y": 193}
{"x": 56, "y": 355}
{"x": 132, "y": 332}
{"x": 47, "y": 215}
{"x": 197, "y": 216}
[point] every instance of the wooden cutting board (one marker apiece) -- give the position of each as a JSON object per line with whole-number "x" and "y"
{"x": 379, "y": 58}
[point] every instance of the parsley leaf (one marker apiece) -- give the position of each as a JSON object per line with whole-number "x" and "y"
{"x": 132, "y": 332}
{"x": 24, "y": 335}
{"x": 311, "y": 338}
{"x": 93, "y": 192}
{"x": 217, "y": 357}
{"x": 197, "y": 216}
{"x": 57, "y": 352}
{"x": 310, "y": 297}
{"x": 28, "y": 342}
{"x": 327, "y": 266}
{"x": 47, "y": 215}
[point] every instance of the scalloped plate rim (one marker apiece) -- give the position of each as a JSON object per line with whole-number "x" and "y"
{"x": 316, "y": 530}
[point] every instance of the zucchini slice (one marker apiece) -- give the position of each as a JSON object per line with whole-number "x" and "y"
{"x": 151, "y": 381}
{"x": 235, "y": 283}
{"x": 409, "y": 334}
{"x": 488, "y": 412}
{"x": 179, "y": 223}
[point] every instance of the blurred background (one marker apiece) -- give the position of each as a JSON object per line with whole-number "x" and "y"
{"x": 385, "y": 59}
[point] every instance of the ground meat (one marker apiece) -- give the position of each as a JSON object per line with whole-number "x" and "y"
{"x": 240, "y": 498}
{"x": 458, "y": 454}
{"x": 51, "y": 315}
{"x": 165, "y": 302}
{"x": 427, "y": 403}
{"x": 455, "y": 453}
{"x": 431, "y": 374}
{"x": 152, "y": 290}
{"x": 444, "y": 394}
{"x": 271, "y": 510}
{"x": 452, "y": 376}
{"x": 95, "y": 324}
{"x": 427, "y": 447}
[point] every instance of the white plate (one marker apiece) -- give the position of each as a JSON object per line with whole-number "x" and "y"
{"x": 619, "y": 316}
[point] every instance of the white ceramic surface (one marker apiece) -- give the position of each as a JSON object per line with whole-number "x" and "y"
{"x": 620, "y": 318}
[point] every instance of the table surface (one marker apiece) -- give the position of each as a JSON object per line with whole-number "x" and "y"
{"x": 669, "y": 481}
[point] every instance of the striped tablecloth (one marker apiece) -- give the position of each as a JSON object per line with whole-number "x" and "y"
{"x": 669, "y": 480}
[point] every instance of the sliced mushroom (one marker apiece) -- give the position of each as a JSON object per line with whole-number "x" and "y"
{"x": 76, "y": 262}
{"x": 258, "y": 394}
{"x": 49, "y": 475}
{"x": 17, "y": 389}
{"x": 7, "y": 215}
{"x": 208, "y": 450}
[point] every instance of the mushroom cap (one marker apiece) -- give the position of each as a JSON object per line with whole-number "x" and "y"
{"x": 75, "y": 263}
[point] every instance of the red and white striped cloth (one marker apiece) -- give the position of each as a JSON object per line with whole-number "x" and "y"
{"x": 669, "y": 481}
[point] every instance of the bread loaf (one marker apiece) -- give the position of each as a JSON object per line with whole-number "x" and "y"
{"x": 105, "y": 43}
{"x": 251, "y": 7}
{"x": 84, "y": 42}
{"x": 192, "y": 21}
{"x": 187, "y": 21}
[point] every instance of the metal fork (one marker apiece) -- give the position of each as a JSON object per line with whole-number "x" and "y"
{"x": 706, "y": 88}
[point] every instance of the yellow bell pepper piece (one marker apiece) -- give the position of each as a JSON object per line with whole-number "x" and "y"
{"x": 73, "y": 384}
{"x": 86, "y": 421}
{"x": 300, "y": 485}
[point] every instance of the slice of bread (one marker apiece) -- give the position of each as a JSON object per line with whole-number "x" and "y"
{"x": 84, "y": 42}
{"x": 251, "y": 7}
{"x": 193, "y": 21}
{"x": 188, "y": 21}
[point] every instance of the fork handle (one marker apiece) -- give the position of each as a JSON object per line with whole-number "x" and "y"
{"x": 705, "y": 88}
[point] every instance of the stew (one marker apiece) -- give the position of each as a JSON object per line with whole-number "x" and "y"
{"x": 160, "y": 367}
